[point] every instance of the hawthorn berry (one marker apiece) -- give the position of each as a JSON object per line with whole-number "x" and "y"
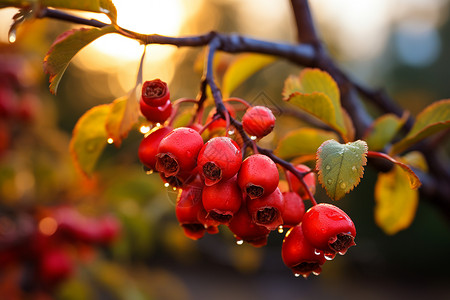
{"x": 258, "y": 121}
{"x": 299, "y": 255}
{"x": 294, "y": 209}
{"x": 148, "y": 148}
{"x": 245, "y": 230}
{"x": 267, "y": 211}
{"x": 219, "y": 159}
{"x": 258, "y": 176}
{"x": 222, "y": 200}
{"x": 157, "y": 114}
{"x": 328, "y": 228}
{"x": 178, "y": 151}
{"x": 309, "y": 179}
{"x": 219, "y": 124}
{"x": 155, "y": 93}
{"x": 55, "y": 265}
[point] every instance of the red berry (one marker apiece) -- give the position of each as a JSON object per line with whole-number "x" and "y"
{"x": 294, "y": 209}
{"x": 157, "y": 114}
{"x": 55, "y": 265}
{"x": 328, "y": 228}
{"x": 155, "y": 92}
{"x": 267, "y": 211}
{"x": 109, "y": 230}
{"x": 219, "y": 124}
{"x": 258, "y": 176}
{"x": 178, "y": 151}
{"x": 258, "y": 121}
{"x": 181, "y": 179}
{"x": 148, "y": 147}
{"x": 245, "y": 230}
{"x": 299, "y": 255}
{"x": 222, "y": 200}
{"x": 219, "y": 159}
{"x": 8, "y": 101}
{"x": 310, "y": 180}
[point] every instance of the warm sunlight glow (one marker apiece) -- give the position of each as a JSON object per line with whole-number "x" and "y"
{"x": 48, "y": 226}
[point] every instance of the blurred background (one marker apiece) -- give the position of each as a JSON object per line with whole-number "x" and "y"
{"x": 120, "y": 238}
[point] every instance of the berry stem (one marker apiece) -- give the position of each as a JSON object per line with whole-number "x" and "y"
{"x": 176, "y": 105}
{"x": 242, "y": 101}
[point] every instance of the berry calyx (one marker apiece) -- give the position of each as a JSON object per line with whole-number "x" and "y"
{"x": 155, "y": 92}
{"x": 219, "y": 159}
{"x": 267, "y": 211}
{"x": 299, "y": 255}
{"x": 258, "y": 121}
{"x": 156, "y": 114}
{"x": 309, "y": 179}
{"x": 328, "y": 228}
{"x": 258, "y": 176}
{"x": 148, "y": 148}
{"x": 177, "y": 151}
{"x": 294, "y": 209}
{"x": 222, "y": 200}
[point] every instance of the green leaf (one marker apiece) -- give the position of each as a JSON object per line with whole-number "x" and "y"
{"x": 317, "y": 93}
{"x": 433, "y": 118}
{"x": 383, "y": 130}
{"x": 64, "y": 49}
{"x": 303, "y": 141}
{"x": 98, "y": 6}
{"x": 241, "y": 69}
{"x": 89, "y": 138}
{"x": 396, "y": 202}
{"x": 341, "y": 166}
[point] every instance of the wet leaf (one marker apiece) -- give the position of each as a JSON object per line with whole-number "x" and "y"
{"x": 340, "y": 166}
{"x": 89, "y": 138}
{"x": 317, "y": 93}
{"x": 65, "y": 47}
{"x": 383, "y": 130}
{"x": 303, "y": 141}
{"x": 241, "y": 69}
{"x": 432, "y": 119}
{"x": 396, "y": 202}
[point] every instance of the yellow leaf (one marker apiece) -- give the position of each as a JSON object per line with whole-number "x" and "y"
{"x": 383, "y": 130}
{"x": 89, "y": 138}
{"x": 396, "y": 202}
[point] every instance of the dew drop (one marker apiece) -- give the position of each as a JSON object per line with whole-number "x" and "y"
{"x": 316, "y": 273}
{"x": 239, "y": 242}
{"x": 149, "y": 172}
{"x": 328, "y": 167}
{"x": 12, "y": 36}
{"x": 280, "y": 229}
{"x": 342, "y": 252}
{"x": 158, "y": 124}
{"x": 110, "y": 141}
{"x": 174, "y": 188}
{"x": 316, "y": 251}
{"x": 144, "y": 129}
{"x": 230, "y": 132}
{"x": 297, "y": 275}
{"x": 329, "y": 256}
{"x": 330, "y": 181}
{"x": 305, "y": 276}
{"x": 343, "y": 185}
{"x": 354, "y": 168}
{"x": 253, "y": 137}
{"x": 166, "y": 184}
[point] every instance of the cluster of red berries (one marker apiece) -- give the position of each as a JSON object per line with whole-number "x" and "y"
{"x": 219, "y": 187}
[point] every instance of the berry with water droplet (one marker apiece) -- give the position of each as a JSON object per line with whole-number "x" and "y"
{"x": 155, "y": 92}
{"x": 222, "y": 200}
{"x": 310, "y": 180}
{"x": 328, "y": 228}
{"x": 258, "y": 176}
{"x": 294, "y": 209}
{"x": 299, "y": 255}
{"x": 258, "y": 121}
{"x": 148, "y": 147}
{"x": 178, "y": 151}
{"x": 244, "y": 229}
{"x": 219, "y": 159}
{"x": 267, "y": 211}
{"x": 156, "y": 114}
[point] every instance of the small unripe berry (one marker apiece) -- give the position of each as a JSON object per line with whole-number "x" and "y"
{"x": 267, "y": 211}
{"x": 178, "y": 151}
{"x": 310, "y": 180}
{"x": 148, "y": 148}
{"x": 258, "y": 176}
{"x": 258, "y": 121}
{"x": 328, "y": 228}
{"x": 156, "y": 114}
{"x": 299, "y": 255}
{"x": 219, "y": 159}
{"x": 155, "y": 92}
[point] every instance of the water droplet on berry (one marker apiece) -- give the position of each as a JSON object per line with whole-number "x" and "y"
{"x": 149, "y": 172}
{"x": 110, "y": 141}
{"x": 144, "y": 129}
{"x": 343, "y": 185}
{"x": 239, "y": 242}
{"x": 230, "y": 132}
{"x": 12, "y": 36}
{"x": 328, "y": 167}
{"x": 329, "y": 256}
{"x": 174, "y": 188}
{"x": 316, "y": 273}
{"x": 354, "y": 168}
{"x": 280, "y": 229}
{"x": 305, "y": 276}
{"x": 316, "y": 251}
{"x": 297, "y": 274}
{"x": 158, "y": 124}
{"x": 342, "y": 252}
{"x": 330, "y": 181}
{"x": 253, "y": 137}
{"x": 166, "y": 184}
